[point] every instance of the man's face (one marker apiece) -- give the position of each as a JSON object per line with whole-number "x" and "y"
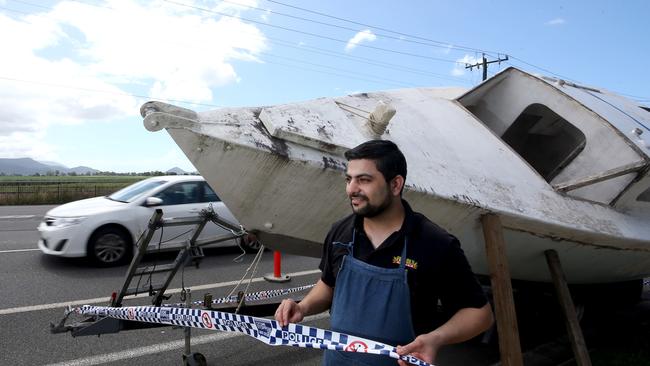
{"x": 367, "y": 188}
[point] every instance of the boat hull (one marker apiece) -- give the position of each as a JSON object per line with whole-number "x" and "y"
{"x": 266, "y": 191}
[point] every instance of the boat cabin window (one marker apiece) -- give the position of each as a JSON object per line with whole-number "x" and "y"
{"x": 545, "y": 140}
{"x": 645, "y": 196}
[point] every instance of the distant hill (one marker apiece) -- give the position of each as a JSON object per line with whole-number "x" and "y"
{"x": 53, "y": 164}
{"x": 176, "y": 170}
{"x": 82, "y": 170}
{"x": 28, "y": 166}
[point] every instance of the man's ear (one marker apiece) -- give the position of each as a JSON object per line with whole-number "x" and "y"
{"x": 396, "y": 185}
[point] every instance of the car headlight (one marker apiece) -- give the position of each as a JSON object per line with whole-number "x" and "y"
{"x": 67, "y": 221}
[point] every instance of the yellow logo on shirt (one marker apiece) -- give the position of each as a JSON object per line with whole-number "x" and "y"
{"x": 410, "y": 263}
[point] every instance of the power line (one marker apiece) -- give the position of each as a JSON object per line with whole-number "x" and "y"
{"x": 340, "y": 55}
{"x": 332, "y": 53}
{"x": 400, "y": 38}
{"x": 94, "y": 5}
{"x": 14, "y": 11}
{"x": 365, "y": 60}
{"x": 543, "y": 69}
{"x": 123, "y": 94}
{"x": 375, "y": 79}
{"x": 395, "y": 82}
{"x": 440, "y": 43}
{"x": 34, "y": 5}
{"x": 323, "y": 72}
{"x": 319, "y": 51}
{"x": 313, "y": 34}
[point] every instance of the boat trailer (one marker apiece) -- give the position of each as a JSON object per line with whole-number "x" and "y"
{"x": 190, "y": 251}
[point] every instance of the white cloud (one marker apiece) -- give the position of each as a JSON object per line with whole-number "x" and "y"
{"x": 233, "y": 7}
{"x": 20, "y": 144}
{"x": 459, "y": 66}
{"x": 362, "y": 36}
{"x": 556, "y": 21}
{"x": 265, "y": 16}
{"x": 78, "y": 63}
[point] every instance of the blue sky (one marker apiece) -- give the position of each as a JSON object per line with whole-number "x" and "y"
{"x": 74, "y": 73}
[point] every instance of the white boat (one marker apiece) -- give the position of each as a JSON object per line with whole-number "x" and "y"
{"x": 566, "y": 167}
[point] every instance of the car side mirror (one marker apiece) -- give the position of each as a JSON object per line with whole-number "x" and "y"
{"x": 153, "y": 201}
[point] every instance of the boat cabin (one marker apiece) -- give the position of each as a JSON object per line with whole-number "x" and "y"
{"x": 587, "y": 143}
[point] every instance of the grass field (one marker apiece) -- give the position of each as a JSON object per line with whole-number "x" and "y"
{"x": 30, "y": 190}
{"x": 69, "y": 178}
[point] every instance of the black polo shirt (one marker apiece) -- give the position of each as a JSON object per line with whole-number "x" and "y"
{"x": 436, "y": 265}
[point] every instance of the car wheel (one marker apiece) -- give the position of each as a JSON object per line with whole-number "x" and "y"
{"x": 250, "y": 243}
{"x": 109, "y": 247}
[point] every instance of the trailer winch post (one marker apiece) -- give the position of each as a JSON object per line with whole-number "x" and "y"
{"x": 188, "y": 330}
{"x": 189, "y": 358}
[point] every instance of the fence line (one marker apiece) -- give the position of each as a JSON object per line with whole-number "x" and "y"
{"x": 45, "y": 192}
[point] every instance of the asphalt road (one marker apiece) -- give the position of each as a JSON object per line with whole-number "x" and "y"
{"x": 36, "y": 288}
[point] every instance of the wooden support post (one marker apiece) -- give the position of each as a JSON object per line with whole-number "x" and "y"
{"x": 571, "y": 318}
{"x": 504, "y": 304}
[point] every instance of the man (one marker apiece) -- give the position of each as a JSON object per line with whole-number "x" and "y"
{"x": 384, "y": 268}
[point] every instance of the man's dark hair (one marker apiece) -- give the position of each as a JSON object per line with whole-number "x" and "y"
{"x": 387, "y": 156}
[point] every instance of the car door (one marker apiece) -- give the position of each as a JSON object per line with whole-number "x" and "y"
{"x": 179, "y": 200}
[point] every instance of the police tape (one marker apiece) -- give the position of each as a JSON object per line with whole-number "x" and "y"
{"x": 254, "y": 296}
{"x": 264, "y": 330}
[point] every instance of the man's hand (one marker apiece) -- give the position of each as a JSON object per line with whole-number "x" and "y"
{"x": 424, "y": 347}
{"x": 289, "y": 312}
{"x": 465, "y": 324}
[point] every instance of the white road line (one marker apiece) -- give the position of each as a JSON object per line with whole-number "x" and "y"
{"x": 144, "y": 351}
{"x": 18, "y": 250}
{"x": 16, "y": 217}
{"x": 25, "y": 309}
{"x": 161, "y": 347}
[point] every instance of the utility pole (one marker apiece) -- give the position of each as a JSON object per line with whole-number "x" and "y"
{"x": 484, "y": 64}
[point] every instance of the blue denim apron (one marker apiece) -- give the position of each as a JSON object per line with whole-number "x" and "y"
{"x": 371, "y": 302}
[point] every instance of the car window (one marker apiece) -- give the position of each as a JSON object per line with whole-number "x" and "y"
{"x": 209, "y": 195}
{"x": 132, "y": 192}
{"x": 180, "y": 194}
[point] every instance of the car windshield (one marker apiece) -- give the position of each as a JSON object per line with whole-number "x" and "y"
{"x": 130, "y": 193}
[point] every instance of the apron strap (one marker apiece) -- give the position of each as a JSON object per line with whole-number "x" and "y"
{"x": 402, "y": 263}
{"x": 349, "y": 246}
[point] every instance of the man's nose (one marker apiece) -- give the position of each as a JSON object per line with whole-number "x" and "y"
{"x": 352, "y": 187}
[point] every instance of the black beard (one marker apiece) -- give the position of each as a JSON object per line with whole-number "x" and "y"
{"x": 369, "y": 210}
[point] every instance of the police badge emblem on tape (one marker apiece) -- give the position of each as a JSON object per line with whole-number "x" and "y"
{"x": 264, "y": 330}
